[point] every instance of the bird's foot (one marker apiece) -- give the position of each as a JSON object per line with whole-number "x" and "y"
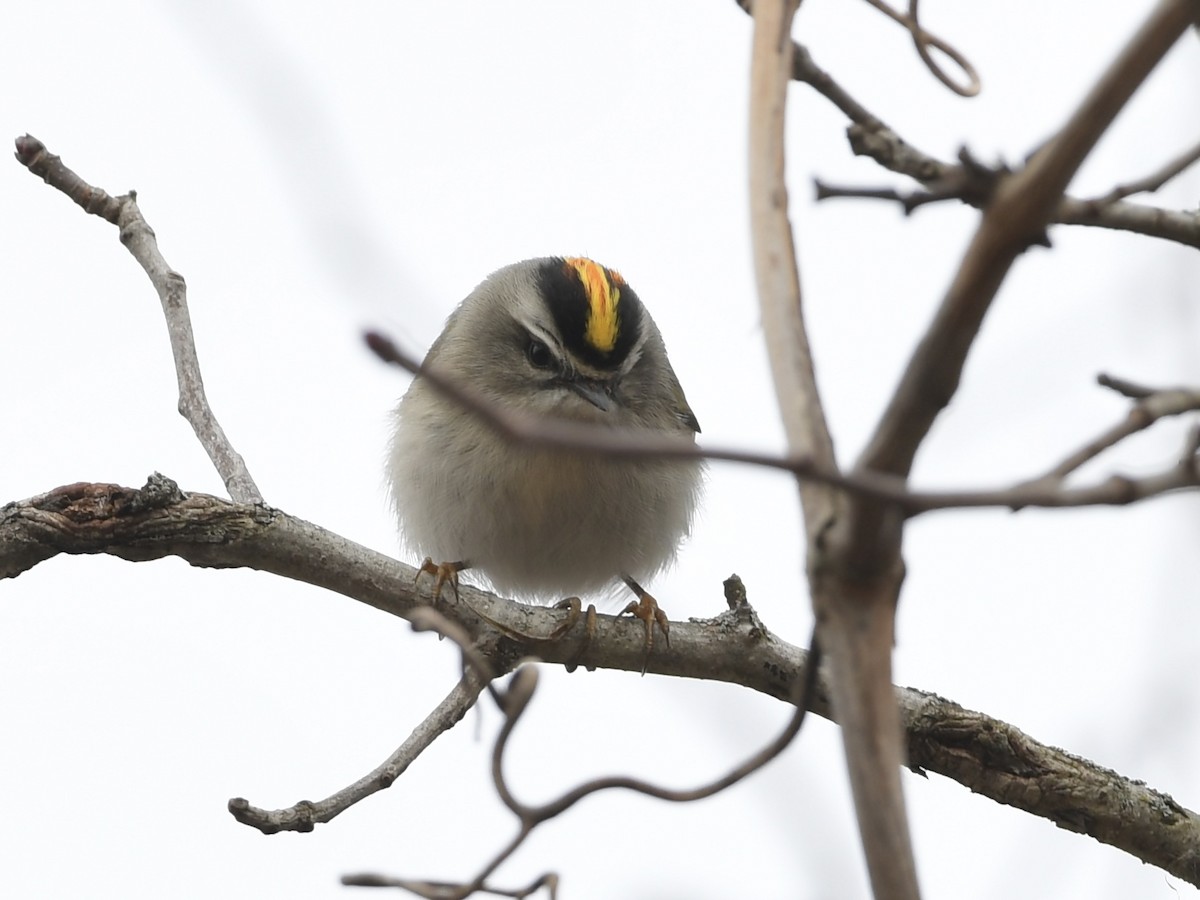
{"x": 574, "y": 608}
{"x": 443, "y": 574}
{"x": 647, "y": 609}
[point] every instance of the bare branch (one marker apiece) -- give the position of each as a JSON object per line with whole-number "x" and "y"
{"x": 437, "y": 890}
{"x": 870, "y": 136}
{"x": 1002, "y": 762}
{"x": 1148, "y": 410}
{"x": 531, "y": 815}
{"x": 1152, "y": 182}
{"x": 855, "y": 615}
{"x": 477, "y": 674}
{"x": 138, "y": 238}
{"x": 305, "y": 815}
{"x": 984, "y": 754}
{"x": 775, "y": 258}
{"x": 516, "y": 699}
{"x": 909, "y": 201}
{"x": 1124, "y": 387}
{"x": 1182, "y": 227}
{"x": 1020, "y": 209}
{"x": 1115, "y": 490}
{"x": 923, "y": 41}
{"x": 890, "y": 489}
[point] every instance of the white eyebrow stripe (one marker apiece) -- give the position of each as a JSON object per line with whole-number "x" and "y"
{"x": 635, "y": 353}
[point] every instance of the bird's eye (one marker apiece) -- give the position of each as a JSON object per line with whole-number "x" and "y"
{"x": 538, "y": 354}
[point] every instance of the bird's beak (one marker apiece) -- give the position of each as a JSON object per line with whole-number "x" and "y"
{"x": 594, "y": 392}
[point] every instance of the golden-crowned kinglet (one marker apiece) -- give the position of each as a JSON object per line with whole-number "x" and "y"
{"x": 555, "y": 337}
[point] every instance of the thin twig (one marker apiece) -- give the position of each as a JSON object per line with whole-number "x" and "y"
{"x": 138, "y": 238}
{"x": 1152, "y": 182}
{"x": 910, "y": 201}
{"x": 516, "y": 701}
{"x": 889, "y": 489}
{"x": 1124, "y": 387}
{"x": 440, "y": 890}
{"x": 1144, "y": 413}
{"x": 1180, "y": 227}
{"x": 306, "y": 814}
{"x": 475, "y": 663}
{"x": 870, "y": 136}
{"x": 923, "y": 41}
{"x": 804, "y": 691}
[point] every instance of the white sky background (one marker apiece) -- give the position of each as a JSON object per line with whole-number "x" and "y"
{"x": 313, "y": 168}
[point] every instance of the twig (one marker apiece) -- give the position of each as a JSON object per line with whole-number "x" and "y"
{"x": 303, "y": 816}
{"x": 870, "y": 136}
{"x": 475, "y": 663}
{"x": 910, "y": 201}
{"x": 139, "y": 240}
{"x": 439, "y": 890}
{"x": 1179, "y": 227}
{"x": 804, "y": 691}
{"x": 923, "y": 41}
{"x": 1115, "y": 490}
{"x": 1125, "y": 387}
{"x": 1148, "y": 410}
{"x": 889, "y": 489}
{"x": 516, "y": 701}
{"x": 1152, "y": 182}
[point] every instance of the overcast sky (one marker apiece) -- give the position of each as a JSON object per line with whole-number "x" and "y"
{"x": 314, "y": 168}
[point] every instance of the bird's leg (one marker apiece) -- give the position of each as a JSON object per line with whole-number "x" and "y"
{"x": 647, "y": 609}
{"x": 574, "y": 608}
{"x": 442, "y": 573}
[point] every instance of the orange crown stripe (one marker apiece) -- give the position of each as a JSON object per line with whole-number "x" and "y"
{"x": 603, "y": 295}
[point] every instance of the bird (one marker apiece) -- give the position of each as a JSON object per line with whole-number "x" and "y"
{"x": 564, "y": 338}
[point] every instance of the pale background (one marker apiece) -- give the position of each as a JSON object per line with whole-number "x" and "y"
{"x": 315, "y": 168}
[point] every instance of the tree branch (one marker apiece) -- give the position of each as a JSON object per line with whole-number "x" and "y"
{"x": 924, "y": 41}
{"x": 855, "y": 615}
{"x": 1020, "y": 208}
{"x": 138, "y": 238}
{"x": 304, "y": 815}
{"x": 890, "y": 489}
{"x": 775, "y": 264}
{"x": 870, "y": 136}
{"x": 1150, "y": 183}
{"x": 987, "y": 756}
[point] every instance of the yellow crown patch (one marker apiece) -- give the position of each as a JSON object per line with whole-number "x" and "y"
{"x": 602, "y": 287}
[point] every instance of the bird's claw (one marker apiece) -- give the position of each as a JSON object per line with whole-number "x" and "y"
{"x": 443, "y": 574}
{"x": 647, "y": 609}
{"x": 574, "y": 608}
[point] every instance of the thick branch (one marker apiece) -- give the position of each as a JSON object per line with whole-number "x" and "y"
{"x": 775, "y": 264}
{"x": 855, "y": 616}
{"x": 987, "y": 756}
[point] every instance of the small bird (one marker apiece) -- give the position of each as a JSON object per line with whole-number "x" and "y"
{"x": 560, "y": 337}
